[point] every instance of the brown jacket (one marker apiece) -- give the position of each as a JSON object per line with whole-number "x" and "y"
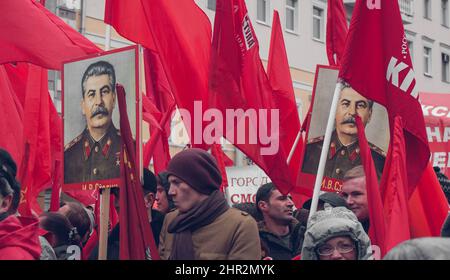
{"x": 232, "y": 236}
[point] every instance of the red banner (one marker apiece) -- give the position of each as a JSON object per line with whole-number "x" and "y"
{"x": 436, "y": 111}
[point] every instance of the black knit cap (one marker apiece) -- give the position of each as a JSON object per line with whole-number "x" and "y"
{"x": 197, "y": 168}
{"x": 149, "y": 185}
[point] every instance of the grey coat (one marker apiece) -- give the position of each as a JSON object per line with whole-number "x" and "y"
{"x": 333, "y": 222}
{"x": 427, "y": 248}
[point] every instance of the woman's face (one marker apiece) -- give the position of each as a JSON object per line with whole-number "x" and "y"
{"x": 338, "y": 248}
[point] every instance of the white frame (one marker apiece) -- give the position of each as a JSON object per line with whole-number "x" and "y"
{"x": 295, "y": 18}
{"x": 445, "y": 15}
{"x": 322, "y": 22}
{"x": 427, "y": 9}
{"x": 428, "y": 72}
{"x": 267, "y": 15}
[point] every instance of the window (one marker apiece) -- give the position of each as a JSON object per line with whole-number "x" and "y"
{"x": 291, "y": 15}
{"x": 427, "y": 9}
{"x": 263, "y": 11}
{"x": 318, "y": 23}
{"x": 427, "y": 61}
{"x": 445, "y": 15}
{"x": 211, "y": 5}
{"x": 445, "y": 68}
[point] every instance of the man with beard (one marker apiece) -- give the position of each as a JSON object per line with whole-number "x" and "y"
{"x": 343, "y": 154}
{"x": 94, "y": 154}
{"x": 279, "y": 231}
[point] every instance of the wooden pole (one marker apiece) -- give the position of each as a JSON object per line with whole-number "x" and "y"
{"x": 104, "y": 224}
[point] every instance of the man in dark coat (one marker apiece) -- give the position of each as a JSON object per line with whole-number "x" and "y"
{"x": 279, "y": 231}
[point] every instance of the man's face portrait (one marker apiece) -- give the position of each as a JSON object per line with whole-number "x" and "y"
{"x": 92, "y": 142}
{"x": 355, "y": 194}
{"x": 99, "y": 99}
{"x": 279, "y": 207}
{"x": 350, "y": 104}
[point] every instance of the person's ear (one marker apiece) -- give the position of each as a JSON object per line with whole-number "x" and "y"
{"x": 262, "y": 205}
{"x": 149, "y": 199}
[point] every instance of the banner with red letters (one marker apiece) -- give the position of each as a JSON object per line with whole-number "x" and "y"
{"x": 436, "y": 111}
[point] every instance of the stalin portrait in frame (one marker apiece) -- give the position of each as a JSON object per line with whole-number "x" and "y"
{"x": 344, "y": 152}
{"x": 95, "y": 153}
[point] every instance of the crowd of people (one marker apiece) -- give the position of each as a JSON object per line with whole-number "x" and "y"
{"x": 191, "y": 219}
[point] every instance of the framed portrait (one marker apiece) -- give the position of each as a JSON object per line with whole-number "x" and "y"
{"x": 91, "y": 122}
{"x": 343, "y": 154}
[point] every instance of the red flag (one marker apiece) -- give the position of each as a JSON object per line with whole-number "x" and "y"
{"x": 35, "y": 173}
{"x": 337, "y": 30}
{"x": 136, "y": 238}
{"x": 26, "y": 30}
{"x": 428, "y": 206}
{"x": 279, "y": 75}
{"x": 12, "y": 120}
{"x": 41, "y": 134}
{"x": 129, "y": 20}
{"x": 159, "y": 94}
{"x": 181, "y": 35}
{"x": 377, "y": 230}
{"x": 222, "y": 162}
{"x": 394, "y": 189}
{"x": 435, "y": 107}
{"x": 238, "y": 81}
{"x": 377, "y": 64}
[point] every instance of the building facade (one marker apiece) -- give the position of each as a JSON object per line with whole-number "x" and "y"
{"x": 427, "y": 26}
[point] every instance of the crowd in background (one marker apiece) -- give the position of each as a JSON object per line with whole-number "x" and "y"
{"x": 191, "y": 219}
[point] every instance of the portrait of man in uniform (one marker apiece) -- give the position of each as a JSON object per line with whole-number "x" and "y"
{"x": 94, "y": 154}
{"x": 344, "y": 150}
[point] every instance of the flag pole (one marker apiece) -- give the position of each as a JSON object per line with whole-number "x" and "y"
{"x": 104, "y": 223}
{"x": 105, "y": 194}
{"x": 325, "y": 148}
{"x": 297, "y": 139}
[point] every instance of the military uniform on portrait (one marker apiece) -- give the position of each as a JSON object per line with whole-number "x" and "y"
{"x": 340, "y": 158}
{"x": 88, "y": 160}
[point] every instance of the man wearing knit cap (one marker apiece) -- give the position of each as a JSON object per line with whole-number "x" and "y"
{"x": 204, "y": 227}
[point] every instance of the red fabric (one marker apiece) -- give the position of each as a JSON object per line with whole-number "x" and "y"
{"x": 377, "y": 64}
{"x": 238, "y": 81}
{"x": 428, "y": 206}
{"x": 160, "y": 96}
{"x": 31, "y": 33}
{"x": 279, "y": 74}
{"x": 85, "y": 197}
{"x": 337, "y": 30}
{"x": 136, "y": 238}
{"x": 129, "y": 20}
{"x": 19, "y": 239}
{"x": 12, "y": 120}
{"x": 436, "y": 111}
{"x": 394, "y": 189}
{"x": 181, "y": 35}
{"x": 218, "y": 154}
{"x": 90, "y": 245}
{"x": 377, "y": 230}
{"x": 37, "y": 140}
